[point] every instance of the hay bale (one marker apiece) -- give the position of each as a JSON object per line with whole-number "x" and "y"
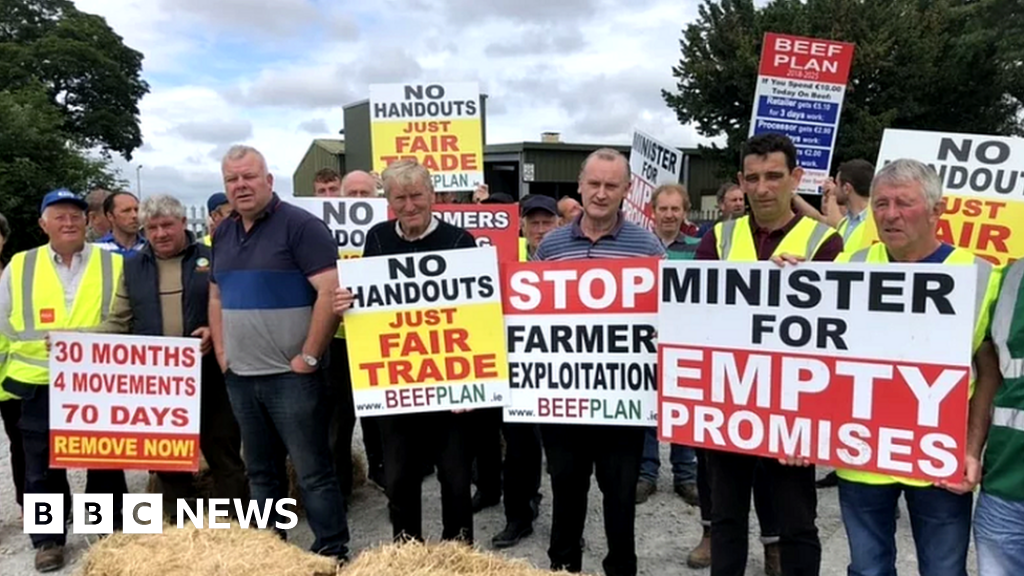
{"x": 444, "y": 559}
{"x": 193, "y": 552}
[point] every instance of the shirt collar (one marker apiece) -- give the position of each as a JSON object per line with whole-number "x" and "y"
{"x": 270, "y": 208}
{"x": 75, "y": 258}
{"x": 430, "y": 228}
{"x": 859, "y": 216}
{"x": 577, "y": 227}
{"x": 108, "y": 238}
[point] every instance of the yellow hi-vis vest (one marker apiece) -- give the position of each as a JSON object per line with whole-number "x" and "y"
{"x": 856, "y": 239}
{"x": 4, "y": 349}
{"x": 735, "y": 241}
{"x": 524, "y": 253}
{"x": 208, "y": 240}
{"x": 340, "y": 332}
{"x": 987, "y": 293}
{"x": 37, "y": 306}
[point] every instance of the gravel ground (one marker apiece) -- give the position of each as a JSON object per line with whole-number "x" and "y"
{"x": 666, "y": 528}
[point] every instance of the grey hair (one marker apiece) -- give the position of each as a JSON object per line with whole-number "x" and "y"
{"x": 610, "y": 155}
{"x": 906, "y": 171}
{"x": 239, "y": 151}
{"x": 160, "y": 206}
{"x": 405, "y": 173}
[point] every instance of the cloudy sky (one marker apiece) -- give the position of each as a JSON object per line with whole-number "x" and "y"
{"x": 276, "y": 73}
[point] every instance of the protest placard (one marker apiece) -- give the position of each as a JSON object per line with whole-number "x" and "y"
{"x": 581, "y": 341}
{"x": 439, "y": 125}
{"x": 431, "y": 329}
{"x": 349, "y": 219}
{"x": 491, "y": 224}
{"x": 801, "y": 83}
{"x": 651, "y": 164}
{"x": 983, "y": 189}
{"x": 124, "y": 402}
{"x": 858, "y": 366}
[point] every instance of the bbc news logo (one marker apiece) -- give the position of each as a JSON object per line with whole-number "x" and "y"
{"x": 144, "y": 513}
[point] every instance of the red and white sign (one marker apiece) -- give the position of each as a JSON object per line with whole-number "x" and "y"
{"x": 491, "y": 224}
{"x": 124, "y": 402}
{"x": 651, "y": 163}
{"x": 581, "y": 339}
{"x": 854, "y": 366}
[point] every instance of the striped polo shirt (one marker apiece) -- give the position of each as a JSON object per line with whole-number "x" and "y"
{"x": 266, "y": 297}
{"x": 625, "y": 240}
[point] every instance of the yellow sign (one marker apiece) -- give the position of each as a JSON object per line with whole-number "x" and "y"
{"x": 438, "y": 125}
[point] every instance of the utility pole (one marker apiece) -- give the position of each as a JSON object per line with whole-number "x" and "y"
{"x": 138, "y": 180}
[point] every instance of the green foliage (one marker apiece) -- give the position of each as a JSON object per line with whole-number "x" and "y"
{"x": 925, "y": 65}
{"x": 68, "y": 86}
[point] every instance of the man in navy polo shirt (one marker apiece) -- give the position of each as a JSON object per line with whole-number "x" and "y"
{"x": 270, "y": 314}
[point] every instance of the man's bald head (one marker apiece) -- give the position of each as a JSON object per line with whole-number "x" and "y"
{"x": 359, "y": 184}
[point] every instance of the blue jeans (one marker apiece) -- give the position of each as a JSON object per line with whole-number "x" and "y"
{"x": 999, "y": 536}
{"x": 683, "y": 458}
{"x": 288, "y": 415}
{"x": 939, "y": 519}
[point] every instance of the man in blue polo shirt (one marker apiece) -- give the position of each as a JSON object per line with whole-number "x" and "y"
{"x": 270, "y": 314}
{"x": 574, "y": 450}
{"x": 121, "y": 209}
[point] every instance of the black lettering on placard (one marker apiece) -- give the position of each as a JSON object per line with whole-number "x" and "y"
{"x": 685, "y": 290}
{"x": 418, "y": 91}
{"x": 735, "y": 281}
{"x": 350, "y": 238}
{"x": 879, "y": 288}
{"x": 423, "y": 292}
{"x": 774, "y": 287}
{"x": 798, "y": 331}
{"x": 343, "y": 212}
{"x": 988, "y": 152}
{"x": 582, "y": 339}
{"x": 801, "y": 282}
{"x": 935, "y": 287}
{"x": 432, "y": 265}
{"x": 615, "y": 376}
{"x": 844, "y": 280}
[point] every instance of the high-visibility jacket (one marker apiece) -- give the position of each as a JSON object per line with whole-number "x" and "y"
{"x": 208, "y": 240}
{"x": 37, "y": 306}
{"x": 340, "y": 332}
{"x": 524, "y": 252}
{"x": 4, "y": 349}
{"x": 856, "y": 239}
{"x": 735, "y": 241}
{"x": 987, "y": 293}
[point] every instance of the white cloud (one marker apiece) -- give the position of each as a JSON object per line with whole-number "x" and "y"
{"x": 278, "y": 74}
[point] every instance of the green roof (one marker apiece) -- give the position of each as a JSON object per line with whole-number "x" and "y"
{"x": 334, "y": 146}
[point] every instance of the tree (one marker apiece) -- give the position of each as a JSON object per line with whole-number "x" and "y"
{"x": 948, "y": 66}
{"x": 88, "y": 72}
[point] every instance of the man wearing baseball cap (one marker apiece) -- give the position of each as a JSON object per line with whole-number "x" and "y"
{"x": 217, "y": 209}
{"x": 538, "y": 215}
{"x": 63, "y": 285}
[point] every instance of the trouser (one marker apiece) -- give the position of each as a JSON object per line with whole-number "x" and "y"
{"x": 684, "y": 462}
{"x": 764, "y": 504}
{"x": 522, "y": 471}
{"x": 283, "y": 415}
{"x": 575, "y": 452}
{"x": 40, "y": 478}
{"x": 487, "y": 451}
{"x": 343, "y": 417}
{"x": 372, "y": 445}
{"x": 940, "y": 521}
{"x": 999, "y": 536}
{"x": 795, "y": 499}
{"x": 10, "y": 412}
{"x": 411, "y": 442}
{"x": 221, "y": 442}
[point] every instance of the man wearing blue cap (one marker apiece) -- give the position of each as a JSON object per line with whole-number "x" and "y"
{"x": 217, "y": 208}
{"x": 64, "y": 285}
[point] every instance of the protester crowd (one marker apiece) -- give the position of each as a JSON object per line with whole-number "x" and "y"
{"x": 261, "y": 292}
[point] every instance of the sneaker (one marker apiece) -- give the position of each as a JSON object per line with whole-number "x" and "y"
{"x": 50, "y": 558}
{"x": 511, "y": 535}
{"x": 772, "y": 560}
{"x": 688, "y": 492}
{"x": 830, "y": 480}
{"x": 700, "y": 556}
{"x": 644, "y": 489}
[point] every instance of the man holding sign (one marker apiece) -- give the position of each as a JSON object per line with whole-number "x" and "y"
{"x": 411, "y": 441}
{"x": 574, "y": 450}
{"x": 906, "y": 204}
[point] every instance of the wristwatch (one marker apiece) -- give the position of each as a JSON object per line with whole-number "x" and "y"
{"x": 310, "y": 361}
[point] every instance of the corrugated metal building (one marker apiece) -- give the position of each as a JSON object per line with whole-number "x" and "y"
{"x": 322, "y": 153}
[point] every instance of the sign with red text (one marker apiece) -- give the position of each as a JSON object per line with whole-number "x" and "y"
{"x": 430, "y": 332}
{"x": 349, "y": 219}
{"x": 491, "y": 224}
{"x": 855, "y": 366}
{"x": 581, "y": 341}
{"x": 651, "y": 163}
{"x": 438, "y": 125}
{"x": 801, "y": 84}
{"x": 124, "y": 402}
{"x": 983, "y": 189}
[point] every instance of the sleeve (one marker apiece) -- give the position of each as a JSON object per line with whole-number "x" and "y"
{"x": 707, "y": 249}
{"x": 120, "y": 319}
{"x": 313, "y": 248}
{"x": 5, "y": 303}
{"x": 465, "y": 240}
{"x": 372, "y": 246}
{"x": 830, "y": 250}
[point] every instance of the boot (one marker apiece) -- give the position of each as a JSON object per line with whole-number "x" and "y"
{"x": 772, "y": 560}
{"x": 700, "y": 557}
